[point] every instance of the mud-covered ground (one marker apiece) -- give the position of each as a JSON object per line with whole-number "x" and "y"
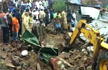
{"x": 77, "y": 57}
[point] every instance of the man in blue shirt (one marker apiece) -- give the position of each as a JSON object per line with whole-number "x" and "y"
{"x": 50, "y": 4}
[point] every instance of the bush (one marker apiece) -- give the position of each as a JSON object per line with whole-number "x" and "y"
{"x": 59, "y": 5}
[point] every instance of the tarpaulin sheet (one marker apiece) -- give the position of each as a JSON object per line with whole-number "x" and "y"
{"x": 30, "y": 38}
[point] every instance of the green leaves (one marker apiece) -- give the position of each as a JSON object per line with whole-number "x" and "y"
{"x": 59, "y": 5}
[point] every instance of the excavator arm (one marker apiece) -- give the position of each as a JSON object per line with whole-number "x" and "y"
{"x": 82, "y": 27}
{"x": 92, "y": 35}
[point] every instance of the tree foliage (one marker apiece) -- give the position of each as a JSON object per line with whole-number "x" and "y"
{"x": 59, "y": 5}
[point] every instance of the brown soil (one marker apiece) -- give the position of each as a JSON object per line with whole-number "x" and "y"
{"x": 75, "y": 57}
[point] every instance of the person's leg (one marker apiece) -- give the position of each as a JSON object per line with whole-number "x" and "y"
{"x": 57, "y": 30}
{"x": 16, "y": 36}
{"x": 3, "y": 34}
{"x": 51, "y": 5}
{"x": 20, "y": 29}
{"x": 7, "y": 35}
{"x": 70, "y": 26}
{"x": 13, "y": 36}
{"x": 10, "y": 29}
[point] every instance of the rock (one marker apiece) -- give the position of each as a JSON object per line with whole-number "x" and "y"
{"x": 26, "y": 65}
{"x": 16, "y": 61}
{"x": 90, "y": 48}
{"x": 18, "y": 68}
{"x": 89, "y": 68}
{"x": 71, "y": 69}
{"x": 38, "y": 66}
{"x": 10, "y": 65}
{"x": 6, "y": 49}
{"x": 3, "y": 55}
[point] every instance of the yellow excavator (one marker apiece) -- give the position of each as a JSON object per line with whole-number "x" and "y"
{"x": 100, "y": 53}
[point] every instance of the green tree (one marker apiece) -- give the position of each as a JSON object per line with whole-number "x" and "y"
{"x": 59, "y": 5}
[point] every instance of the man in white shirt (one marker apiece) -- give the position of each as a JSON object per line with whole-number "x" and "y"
{"x": 37, "y": 4}
{"x": 41, "y": 7}
{"x": 36, "y": 14}
{"x": 40, "y": 2}
{"x": 29, "y": 4}
{"x": 45, "y": 3}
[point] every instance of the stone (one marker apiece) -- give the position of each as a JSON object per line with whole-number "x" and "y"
{"x": 16, "y": 60}
{"x": 71, "y": 69}
{"x": 25, "y": 65}
{"x": 18, "y": 68}
{"x": 6, "y": 49}
{"x": 10, "y": 65}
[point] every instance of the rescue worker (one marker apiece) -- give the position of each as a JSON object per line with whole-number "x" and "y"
{"x": 9, "y": 19}
{"x": 64, "y": 18}
{"x": 19, "y": 20}
{"x": 42, "y": 14}
{"x": 57, "y": 14}
{"x": 69, "y": 19}
{"x": 40, "y": 31}
{"x": 15, "y": 28}
{"x": 3, "y": 21}
{"x": 58, "y": 25}
{"x": 47, "y": 18}
{"x": 30, "y": 22}
{"x": 50, "y": 4}
{"x": 25, "y": 21}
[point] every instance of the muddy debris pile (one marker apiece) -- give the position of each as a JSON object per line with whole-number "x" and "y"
{"x": 15, "y": 61}
{"x": 79, "y": 57}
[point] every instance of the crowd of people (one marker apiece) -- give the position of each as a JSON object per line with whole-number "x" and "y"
{"x": 33, "y": 16}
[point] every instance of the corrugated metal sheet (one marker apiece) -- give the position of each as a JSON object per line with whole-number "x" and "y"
{"x": 76, "y": 1}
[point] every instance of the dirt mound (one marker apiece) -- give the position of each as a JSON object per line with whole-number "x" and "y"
{"x": 80, "y": 59}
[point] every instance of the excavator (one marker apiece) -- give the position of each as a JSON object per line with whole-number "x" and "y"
{"x": 100, "y": 52}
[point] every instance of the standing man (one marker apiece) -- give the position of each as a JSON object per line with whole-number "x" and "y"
{"x": 50, "y": 4}
{"x": 64, "y": 18}
{"x": 19, "y": 20}
{"x": 42, "y": 14}
{"x": 9, "y": 19}
{"x": 47, "y": 18}
{"x": 3, "y": 21}
{"x": 15, "y": 28}
{"x": 69, "y": 19}
{"x": 45, "y": 2}
{"x": 25, "y": 21}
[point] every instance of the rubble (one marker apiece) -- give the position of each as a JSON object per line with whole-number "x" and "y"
{"x": 16, "y": 60}
{"x": 79, "y": 57}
